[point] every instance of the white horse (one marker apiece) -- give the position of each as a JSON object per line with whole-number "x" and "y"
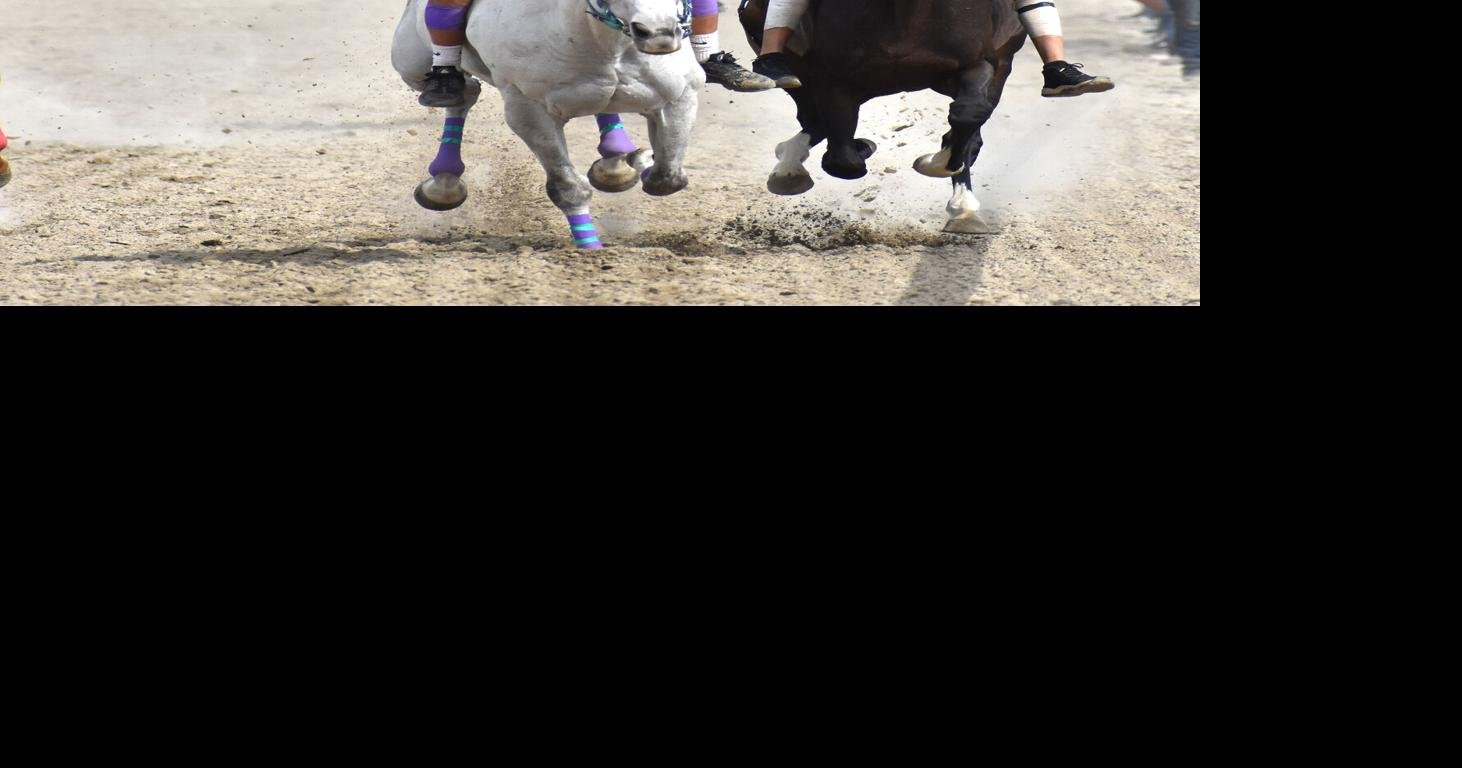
{"x": 554, "y": 60}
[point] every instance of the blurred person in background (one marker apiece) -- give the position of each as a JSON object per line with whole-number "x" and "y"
{"x": 1163, "y": 32}
{"x": 4, "y": 166}
{"x": 1185, "y": 34}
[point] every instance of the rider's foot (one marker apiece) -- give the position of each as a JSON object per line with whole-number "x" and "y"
{"x": 1063, "y": 79}
{"x": 445, "y": 87}
{"x": 722, "y": 69}
{"x": 775, "y": 67}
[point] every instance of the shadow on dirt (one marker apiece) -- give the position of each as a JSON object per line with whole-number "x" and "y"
{"x": 947, "y": 276}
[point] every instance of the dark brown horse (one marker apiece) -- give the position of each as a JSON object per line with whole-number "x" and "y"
{"x": 852, "y": 51}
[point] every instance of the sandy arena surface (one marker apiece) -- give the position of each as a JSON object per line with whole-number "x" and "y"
{"x": 265, "y": 153}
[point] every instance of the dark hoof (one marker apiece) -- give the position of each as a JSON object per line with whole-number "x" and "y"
{"x": 790, "y": 184}
{"x": 866, "y": 148}
{"x": 4, "y": 172}
{"x": 442, "y": 192}
{"x": 664, "y": 186}
{"x": 841, "y": 171}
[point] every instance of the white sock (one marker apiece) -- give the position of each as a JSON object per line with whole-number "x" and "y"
{"x": 705, "y": 45}
{"x": 446, "y": 55}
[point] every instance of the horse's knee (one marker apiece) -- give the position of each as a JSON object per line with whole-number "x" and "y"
{"x": 568, "y": 191}
{"x": 963, "y": 114}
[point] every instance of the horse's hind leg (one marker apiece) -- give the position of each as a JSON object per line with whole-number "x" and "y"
{"x": 620, "y": 162}
{"x": 543, "y": 133}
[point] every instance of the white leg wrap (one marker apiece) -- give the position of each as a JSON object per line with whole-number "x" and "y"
{"x": 1041, "y": 19}
{"x": 705, "y": 45}
{"x": 786, "y": 13}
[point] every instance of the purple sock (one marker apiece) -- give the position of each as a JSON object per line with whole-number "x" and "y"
{"x": 703, "y": 8}
{"x": 613, "y": 139}
{"x": 449, "y": 157}
{"x": 585, "y": 236}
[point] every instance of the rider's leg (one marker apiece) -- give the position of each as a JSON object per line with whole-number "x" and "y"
{"x": 720, "y": 66}
{"x": 1043, "y": 24}
{"x": 782, "y": 17}
{"x": 446, "y": 20}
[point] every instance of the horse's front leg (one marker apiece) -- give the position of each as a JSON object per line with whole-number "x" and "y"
{"x": 972, "y": 108}
{"x": 845, "y": 157}
{"x": 670, "y": 129}
{"x": 790, "y": 176}
{"x": 570, "y": 191}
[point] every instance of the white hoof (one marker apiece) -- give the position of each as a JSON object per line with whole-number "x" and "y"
{"x": 442, "y": 192}
{"x": 969, "y": 224}
{"x": 937, "y": 165}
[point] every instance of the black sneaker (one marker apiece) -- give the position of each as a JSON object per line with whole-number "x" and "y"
{"x": 775, "y": 67}
{"x": 445, "y": 87}
{"x": 1064, "y": 79}
{"x": 722, "y": 69}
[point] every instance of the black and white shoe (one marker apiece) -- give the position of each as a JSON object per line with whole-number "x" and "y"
{"x": 445, "y": 87}
{"x": 722, "y": 69}
{"x": 775, "y": 67}
{"x": 1063, "y": 79}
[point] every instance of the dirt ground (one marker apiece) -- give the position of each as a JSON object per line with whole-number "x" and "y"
{"x": 265, "y": 153}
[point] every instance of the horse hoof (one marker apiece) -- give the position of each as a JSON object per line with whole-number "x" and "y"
{"x": 664, "y": 186}
{"x": 613, "y": 174}
{"x": 969, "y": 224}
{"x": 849, "y": 172}
{"x": 790, "y": 183}
{"x": 936, "y": 166}
{"x": 620, "y": 173}
{"x": 867, "y": 148}
{"x": 443, "y": 192}
{"x": 4, "y": 172}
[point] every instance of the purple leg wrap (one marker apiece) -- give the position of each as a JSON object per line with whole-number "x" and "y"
{"x": 449, "y": 157}
{"x": 451, "y": 19}
{"x": 703, "y": 8}
{"x": 613, "y": 139}
{"x": 585, "y": 236}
